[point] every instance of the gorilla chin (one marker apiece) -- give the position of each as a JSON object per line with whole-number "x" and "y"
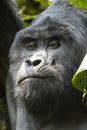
{"x": 39, "y": 94}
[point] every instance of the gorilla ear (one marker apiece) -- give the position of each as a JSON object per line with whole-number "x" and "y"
{"x": 61, "y": 1}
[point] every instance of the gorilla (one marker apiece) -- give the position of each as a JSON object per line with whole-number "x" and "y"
{"x": 43, "y": 59}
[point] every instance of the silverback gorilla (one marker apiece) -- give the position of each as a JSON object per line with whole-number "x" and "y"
{"x": 43, "y": 59}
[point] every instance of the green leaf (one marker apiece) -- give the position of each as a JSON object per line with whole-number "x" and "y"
{"x": 79, "y": 80}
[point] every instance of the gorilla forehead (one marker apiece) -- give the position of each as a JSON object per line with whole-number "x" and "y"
{"x": 44, "y": 31}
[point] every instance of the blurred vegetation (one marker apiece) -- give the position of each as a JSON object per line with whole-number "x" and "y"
{"x": 79, "y": 3}
{"x": 29, "y": 9}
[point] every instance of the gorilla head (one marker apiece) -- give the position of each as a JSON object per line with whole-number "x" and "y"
{"x": 44, "y": 57}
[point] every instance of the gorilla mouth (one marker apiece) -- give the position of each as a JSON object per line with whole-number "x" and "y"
{"x": 33, "y": 77}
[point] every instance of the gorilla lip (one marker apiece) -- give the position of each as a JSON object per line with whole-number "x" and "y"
{"x": 33, "y": 77}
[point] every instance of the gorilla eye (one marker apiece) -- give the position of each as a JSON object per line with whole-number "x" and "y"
{"x": 29, "y": 43}
{"x": 55, "y": 44}
{"x": 32, "y": 46}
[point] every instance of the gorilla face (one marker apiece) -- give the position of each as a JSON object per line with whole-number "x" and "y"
{"x": 43, "y": 59}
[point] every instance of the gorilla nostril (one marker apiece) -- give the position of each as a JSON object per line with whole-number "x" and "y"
{"x": 28, "y": 62}
{"x": 53, "y": 62}
{"x": 36, "y": 62}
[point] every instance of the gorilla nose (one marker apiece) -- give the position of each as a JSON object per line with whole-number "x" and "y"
{"x": 35, "y": 62}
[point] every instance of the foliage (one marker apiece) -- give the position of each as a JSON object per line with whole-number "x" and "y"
{"x": 30, "y": 9}
{"x": 79, "y": 80}
{"x": 79, "y": 3}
